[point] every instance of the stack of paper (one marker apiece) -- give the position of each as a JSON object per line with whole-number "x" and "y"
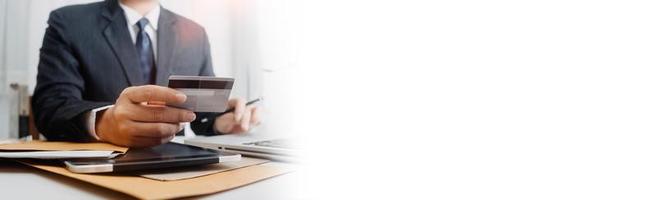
{"x": 58, "y": 154}
{"x": 59, "y": 150}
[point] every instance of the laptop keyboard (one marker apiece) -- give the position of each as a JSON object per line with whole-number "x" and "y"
{"x": 276, "y": 143}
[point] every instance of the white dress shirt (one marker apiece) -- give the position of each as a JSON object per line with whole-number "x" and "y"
{"x": 132, "y": 17}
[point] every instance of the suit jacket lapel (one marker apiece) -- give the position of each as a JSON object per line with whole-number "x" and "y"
{"x": 118, "y": 36}
{"x": 167, "y": 39}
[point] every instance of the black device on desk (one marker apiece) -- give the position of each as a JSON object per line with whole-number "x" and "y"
{"x": 163, "y": 156}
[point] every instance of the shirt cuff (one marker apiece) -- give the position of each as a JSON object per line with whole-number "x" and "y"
{"x": 91, "y": 120}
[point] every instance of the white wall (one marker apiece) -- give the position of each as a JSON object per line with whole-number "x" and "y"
{"x": 4, "y": 118}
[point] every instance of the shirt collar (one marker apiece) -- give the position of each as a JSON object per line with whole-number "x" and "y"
{"x": 133, "y": 16}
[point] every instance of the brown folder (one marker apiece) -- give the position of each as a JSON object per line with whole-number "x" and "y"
{"x": 144, "y": 188}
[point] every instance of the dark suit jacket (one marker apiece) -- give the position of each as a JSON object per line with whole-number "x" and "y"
{"x": 88, "y": 58}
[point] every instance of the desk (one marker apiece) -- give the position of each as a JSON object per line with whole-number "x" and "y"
{"x": 21, "y": 181}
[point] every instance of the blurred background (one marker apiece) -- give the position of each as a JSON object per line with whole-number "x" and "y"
{"x": 251, "y": 40}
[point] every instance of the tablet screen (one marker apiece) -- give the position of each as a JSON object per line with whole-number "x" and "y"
{"x": 164, "y": 152}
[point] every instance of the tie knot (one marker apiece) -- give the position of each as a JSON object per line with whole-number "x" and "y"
{"x": 142, "y": 23}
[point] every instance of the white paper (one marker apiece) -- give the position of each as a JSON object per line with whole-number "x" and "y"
{"x": 58, "y": 154}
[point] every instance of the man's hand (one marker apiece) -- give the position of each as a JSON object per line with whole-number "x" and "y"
{"x": 131, "y": 122}
{"x": 241, "y": 120}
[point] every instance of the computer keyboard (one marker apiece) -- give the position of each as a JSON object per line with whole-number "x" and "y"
{"x": 276, "y": 143}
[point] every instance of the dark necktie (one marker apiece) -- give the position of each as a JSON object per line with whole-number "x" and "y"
{"x": 145, "y": 51}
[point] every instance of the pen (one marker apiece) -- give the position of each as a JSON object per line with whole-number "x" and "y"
{"x": 247, "y": 104}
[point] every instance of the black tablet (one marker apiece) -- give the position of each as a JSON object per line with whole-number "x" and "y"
{"x": 159, "y": 157}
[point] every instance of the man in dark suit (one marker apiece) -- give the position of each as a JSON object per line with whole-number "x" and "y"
{"x": 101, "y": 62}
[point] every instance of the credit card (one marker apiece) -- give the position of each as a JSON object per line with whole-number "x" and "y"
{"x": 204, "y": 93}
